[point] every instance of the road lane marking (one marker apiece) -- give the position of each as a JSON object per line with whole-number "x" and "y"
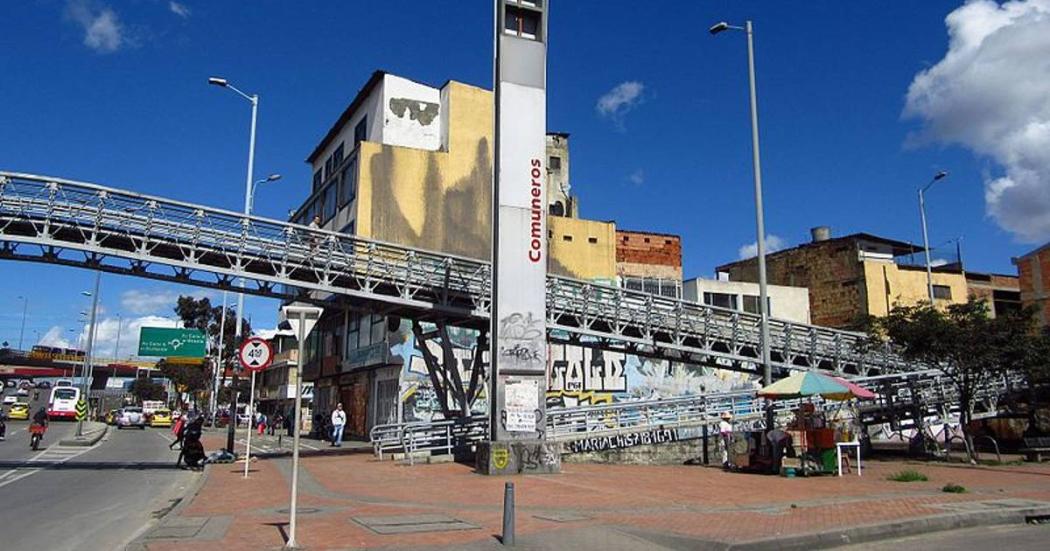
{"x": 63, "y": 455}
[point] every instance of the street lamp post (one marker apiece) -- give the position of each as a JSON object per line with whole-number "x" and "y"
{"x": 248, "y": 185}
{"x": 925, "y": 237}
{"x": 763, "y": 304}
{"x": 22, "y": 331}
{"x": 86, "y": 371}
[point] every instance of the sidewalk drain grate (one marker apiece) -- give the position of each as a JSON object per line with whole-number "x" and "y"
{"x": 993, "y": 505}
{"x": 408, "y": 524}
{"x": 562, "y": 516}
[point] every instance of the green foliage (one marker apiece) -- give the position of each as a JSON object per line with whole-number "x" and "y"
{"x": 145, "y": 389}
{"x": 907, "y": 475}
{"x": 200, "y": 314}
{"x": 953, "y": 489}
{"x": 966, "y": 344}
{"x": 186, "y": 377}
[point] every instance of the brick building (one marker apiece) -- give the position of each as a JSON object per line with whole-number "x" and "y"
{"x": 1033, "y": 271}
{"x": 649, "y": 261}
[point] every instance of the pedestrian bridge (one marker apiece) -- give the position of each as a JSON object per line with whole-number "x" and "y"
{"x": 901, "y": 399}
{"x": 70, "y": 223}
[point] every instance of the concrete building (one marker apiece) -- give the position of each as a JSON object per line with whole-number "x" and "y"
{"x": 412, "y": 164}
{"x": 786, "y": 303}
{"x": 1001, "y": 292}
{"x": 1033, "y": 269}
{"x": 859, "y": 275}
{"x": 852, "y": 277}
{"x": 650, "y": 262}
{"x": 559, "y": 191}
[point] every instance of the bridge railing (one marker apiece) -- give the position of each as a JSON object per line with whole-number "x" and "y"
{"x": 101, "y": 222}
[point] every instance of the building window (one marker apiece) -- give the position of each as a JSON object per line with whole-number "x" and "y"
{"x": 337, "y": 156}
{"x": 360, "y": 132}
{"x": 349, "y": 228}
{"x": 556, "y": 209}
{"x": 721, "y": 300}
{"x": 348, "y": 183}
{"x": 523, "y": 23}
{"x": 942, "y": 292}
{"x": 318, "y": 179}
{"x": 592, "y": 240}
{"x": 555, "y": 163}
{"x": 751, "y": 303}
{"x": 329, "y": 202}
{"x": 654, "y": 286}
{"x": 353, "y": 332}
{"x": 566, "y": 238}
{"x": 378, "y": 328}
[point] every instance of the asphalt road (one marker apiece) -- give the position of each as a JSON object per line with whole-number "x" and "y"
{"x": 85, "y": 498}
{"x": 1015, "y": 537}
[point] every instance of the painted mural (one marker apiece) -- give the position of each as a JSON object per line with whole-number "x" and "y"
{"x": 576, "y": 376}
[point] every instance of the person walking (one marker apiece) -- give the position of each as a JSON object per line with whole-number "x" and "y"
{"x": 725, "y": 430}
{"x": 276, "y": 422}
{"x": 338, "y": 422}
{"x": 262, "y": 423}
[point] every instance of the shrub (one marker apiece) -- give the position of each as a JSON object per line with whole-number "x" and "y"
{"x": 953, "y": 488}
{"x": 908, "y": 475}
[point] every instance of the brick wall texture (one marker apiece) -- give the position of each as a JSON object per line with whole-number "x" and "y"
{"x": 642, "y": 254}
{"x": 1034, "y": 272}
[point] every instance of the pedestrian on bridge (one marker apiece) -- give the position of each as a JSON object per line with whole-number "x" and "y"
{"x": 338, "y": 422}
{"x": 725, "y": 430}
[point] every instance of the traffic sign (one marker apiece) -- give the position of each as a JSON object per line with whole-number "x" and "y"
{"x": 82, "y": 409}
{"x": 255, "y": 354}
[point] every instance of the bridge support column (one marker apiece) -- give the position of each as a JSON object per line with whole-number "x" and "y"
{"x": 517, "y": 418}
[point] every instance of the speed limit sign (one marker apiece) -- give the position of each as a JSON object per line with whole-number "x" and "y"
{"x": 255, "y": 354}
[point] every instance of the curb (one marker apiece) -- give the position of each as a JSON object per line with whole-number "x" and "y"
{"x": 139, "y": 542}
{"x": 892, "y": 530}
{"x": 89, "y": 439}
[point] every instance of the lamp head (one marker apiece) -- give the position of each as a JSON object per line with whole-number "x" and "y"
{"x": 273, "y": 177}
{"x": 718, "y": 27}
{"x": 940, "y": 175}
{"x": 217, "y": 81}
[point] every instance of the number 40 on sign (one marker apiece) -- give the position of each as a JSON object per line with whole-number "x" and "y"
{"x": 255, "y": 354}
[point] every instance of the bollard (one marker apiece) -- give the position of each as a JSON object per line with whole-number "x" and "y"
{"x": 508, "y": 514}
{"x": 706, "y": 462}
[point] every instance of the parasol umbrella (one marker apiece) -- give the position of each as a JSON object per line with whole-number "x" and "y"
{"x": 856, "y": 390}
{"x": 806, "y": 383}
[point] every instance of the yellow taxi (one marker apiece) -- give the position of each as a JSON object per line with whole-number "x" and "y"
{"x": 161, "y": 418}
{"x": 111, "y": 417}
{"x": 18, "y": 411}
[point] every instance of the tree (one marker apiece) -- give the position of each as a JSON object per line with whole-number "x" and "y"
{"x": 965, "y": 343}
{"x": 200, "y": 314}
{"x": 146, "y": 389}
{"x": 186, "y": 377}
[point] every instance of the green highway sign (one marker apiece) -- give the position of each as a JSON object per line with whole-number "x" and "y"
{"x": 167, "y": 342}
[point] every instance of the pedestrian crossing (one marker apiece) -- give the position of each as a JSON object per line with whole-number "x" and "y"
{"x": 49, "y": 457}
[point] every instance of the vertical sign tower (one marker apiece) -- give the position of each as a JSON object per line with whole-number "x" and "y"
{"x": 519, "y": 244}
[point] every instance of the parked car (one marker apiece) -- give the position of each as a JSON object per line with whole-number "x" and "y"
{"x": 160, "y": 418}
{"x": 131, "y": 417}
{"x": 19, "y": 411}
{"x": 44, "y": 384}
{"x": 10, "y": 399}
{"x": 64, "y": 382}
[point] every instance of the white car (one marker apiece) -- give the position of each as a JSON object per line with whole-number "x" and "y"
{"x": 131, "y": 417}
{"x": 9, "y": 400}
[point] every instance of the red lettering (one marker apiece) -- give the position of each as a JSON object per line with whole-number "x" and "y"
{"x": 534, "y": 256}
{"x": 537, "y": 212}
{"x": 536, "y": 163}
{"x": 535, "y": 174}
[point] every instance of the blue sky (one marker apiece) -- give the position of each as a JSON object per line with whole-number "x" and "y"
{"x": 115, "y": 93}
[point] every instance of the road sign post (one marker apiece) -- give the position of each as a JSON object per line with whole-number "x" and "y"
{"x": 255, "y": 355}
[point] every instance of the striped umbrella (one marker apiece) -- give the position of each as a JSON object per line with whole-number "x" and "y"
{"x": 806, "y": 383}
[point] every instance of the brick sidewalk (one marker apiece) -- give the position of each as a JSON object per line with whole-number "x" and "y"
{"x": 704, "y": 504}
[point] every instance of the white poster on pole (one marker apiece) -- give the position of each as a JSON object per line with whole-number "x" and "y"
{"x": 521, "y": 399}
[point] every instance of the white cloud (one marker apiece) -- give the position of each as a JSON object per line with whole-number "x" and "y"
{"x": 178, "y": 9}
{"x": 153, "y": 302}
{"x": 616, "y": 103}
{"x": 637, "y": 177}
{"x": 103, "y": 31}
{"x": 989, "y": 94}
{"x": 773, "y": 243}
{"x": 55, "y": 337}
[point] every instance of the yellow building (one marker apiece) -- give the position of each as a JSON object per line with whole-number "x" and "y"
{"x": 411, "y": 164}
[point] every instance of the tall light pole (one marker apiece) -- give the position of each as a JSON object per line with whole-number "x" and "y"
{"x": 248, "y": 185}
{"x": 22, "y": 331}
{"x": 763, "y": 304}
{"x": 86, "y": 372}
{"x": 116, "y": 346}
{"x": 925, "y": 238}
{"x": 251, "y": 201}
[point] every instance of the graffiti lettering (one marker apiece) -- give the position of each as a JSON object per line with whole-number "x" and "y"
{"x": 619, "y": 441}
{"x": 521, "y": 353}
{"x": 578, "y": 369}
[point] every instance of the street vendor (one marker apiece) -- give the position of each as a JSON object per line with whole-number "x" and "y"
{"x": 725, "y": 430}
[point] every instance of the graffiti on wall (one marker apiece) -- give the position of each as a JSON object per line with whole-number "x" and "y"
{"x": 619, "y": 441}
{"x": 418, "y": 398}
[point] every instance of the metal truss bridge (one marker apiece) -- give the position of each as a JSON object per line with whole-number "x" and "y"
{"x": 57, "y": 221}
